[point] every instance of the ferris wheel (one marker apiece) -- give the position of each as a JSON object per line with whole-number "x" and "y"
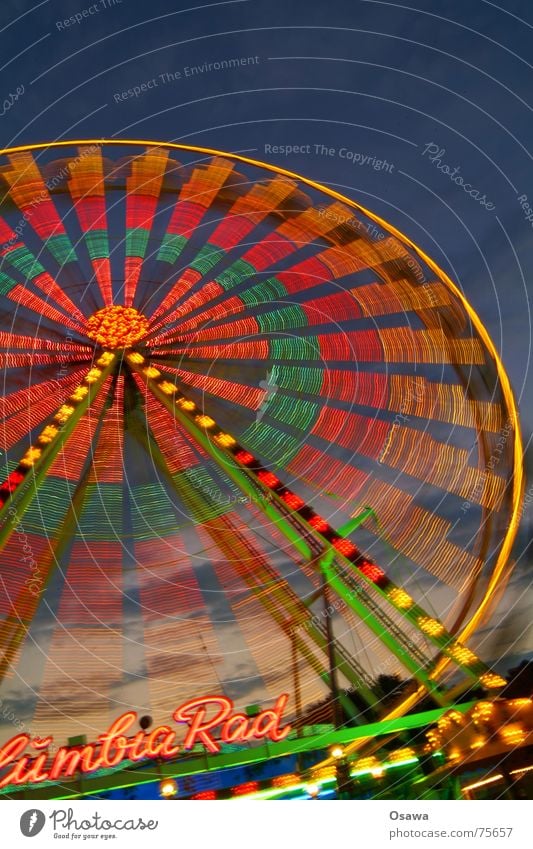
{"x": 225, "y": 387}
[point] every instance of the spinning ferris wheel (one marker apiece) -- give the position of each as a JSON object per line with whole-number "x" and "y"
{"x": 223, "y": 386}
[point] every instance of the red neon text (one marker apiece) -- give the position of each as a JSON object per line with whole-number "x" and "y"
{"x": 202, "y": 715}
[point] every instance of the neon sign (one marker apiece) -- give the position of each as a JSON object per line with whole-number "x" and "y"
{"x": 115, "y": 746}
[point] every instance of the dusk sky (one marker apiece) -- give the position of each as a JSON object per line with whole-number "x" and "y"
{"x": 389, "y": 103}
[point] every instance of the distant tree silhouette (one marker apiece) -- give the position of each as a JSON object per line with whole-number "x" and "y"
{"x": 321, "y": 712}
{"x": 520, "y": 681}
{"x": 389, "y": 687}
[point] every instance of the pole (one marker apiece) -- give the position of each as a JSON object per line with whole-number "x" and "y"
{"x": 297, "y": 687}
{"x": 335, "y": 704}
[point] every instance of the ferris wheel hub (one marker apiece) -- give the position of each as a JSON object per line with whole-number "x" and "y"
{"x": 117, "y": 327}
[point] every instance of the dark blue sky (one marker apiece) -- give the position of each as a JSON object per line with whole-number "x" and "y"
{"x": 351, "y": 83}
{"x": 361, "y": 77}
